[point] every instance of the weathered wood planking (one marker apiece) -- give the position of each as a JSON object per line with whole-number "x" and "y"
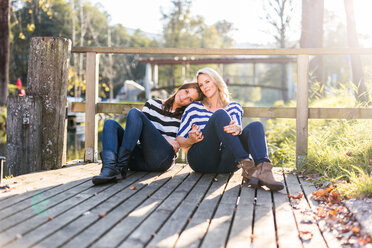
{"x": 197, "y": 227}
{"x": 177, "y": 208}
{"x": 285, "y": 221}
{"x": 304, "y": 218}
{"x": 169, "y": 233}
{"x": 220, "y": 224}
{"x": 117, "y": 224}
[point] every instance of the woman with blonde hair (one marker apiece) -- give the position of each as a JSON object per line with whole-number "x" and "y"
{"x": 211, "y": 133}
{"x": 148, "y": 141}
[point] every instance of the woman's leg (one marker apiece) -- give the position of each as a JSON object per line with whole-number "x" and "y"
{"x": 254, "y": 142}
{"x": 154, "y": 153}
{"x": 205, "y": 156}
{"x": 111, "y": 138}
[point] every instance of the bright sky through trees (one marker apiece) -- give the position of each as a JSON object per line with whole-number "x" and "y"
{"x": 246, "y": 15}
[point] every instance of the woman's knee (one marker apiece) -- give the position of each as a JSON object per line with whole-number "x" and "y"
{"x": 110, "y": 124}
{"x": 256, "y": 125}
{"x": 134, "y": 112}
{"x": 221, "y": 114}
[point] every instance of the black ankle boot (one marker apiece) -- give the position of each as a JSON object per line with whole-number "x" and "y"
{"x": 123, "y": 160}
{"x": 109, "y": 172}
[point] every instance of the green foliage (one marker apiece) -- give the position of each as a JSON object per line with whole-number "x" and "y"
{"x": 337, "y": 149}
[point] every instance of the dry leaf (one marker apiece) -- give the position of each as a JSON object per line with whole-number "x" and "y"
{"x": 299, "y": 196}
{"x": 321, "y": 212}
{"x": 306, "y": 235}
{"x": 133, "y": 188}
{"x": 102, "y": 215}
{"x": 50, "y": 218}
{"x": 355, "y": 229}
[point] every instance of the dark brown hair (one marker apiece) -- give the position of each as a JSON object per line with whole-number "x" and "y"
{"x": 167, "y": 105}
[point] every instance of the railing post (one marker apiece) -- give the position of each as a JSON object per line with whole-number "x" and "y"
{"x": 148, "y": 81}
{"x": 302, "y": 110}
{"x": 91, "y": 121}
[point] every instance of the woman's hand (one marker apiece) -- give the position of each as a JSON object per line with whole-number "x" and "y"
{"x": 174, "y": 144}
{"x": 233, "y": 128}
{"x": 195, "y": 135}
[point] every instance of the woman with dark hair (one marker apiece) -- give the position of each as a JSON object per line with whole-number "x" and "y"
{"x": 148, "y": 141}
{"x": 211, "y": 131}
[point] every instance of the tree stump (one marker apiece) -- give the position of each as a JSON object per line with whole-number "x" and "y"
{"x": 24, "y": 135}
{"x": 47, "y": 77}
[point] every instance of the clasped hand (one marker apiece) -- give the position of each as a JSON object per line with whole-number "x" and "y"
{"x": 195, "y": 135}
{"x": 233, "y": 128}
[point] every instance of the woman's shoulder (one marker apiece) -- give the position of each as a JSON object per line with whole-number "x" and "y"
{"x": 154, "y": 101}
{"x": 234, "y": 104}
{"x": 194, "y": 105}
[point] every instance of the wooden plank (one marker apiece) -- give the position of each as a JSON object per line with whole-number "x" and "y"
{"x": 302, "y": 113}
{"x": 240, "y": 235}
{"x": 148, "y": 228}
{"x": 120, "y": 222}
{"x": 304, "y": 219}
{"x": 256, "y": 112}
{"x": 224, "y": 51}
{"x": 264, "y": 229}
{"x": 37, "y": 206}
{"x": 169, "y": 233}
{"x": 287, "y": 232}
{"x": 39, "y": 198}
{"x": 90, "y": 217}
{"x": 219, "y": 227}
{"x": 197, "y": 227}
{"x": 91, "y": 121}
{"x": 330, "y": 238}
{"x": 35, "y": 229}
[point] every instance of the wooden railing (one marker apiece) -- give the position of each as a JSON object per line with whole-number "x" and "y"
{"x": 301, "y": 112}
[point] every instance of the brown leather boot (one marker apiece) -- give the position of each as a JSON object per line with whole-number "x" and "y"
{"x": 263, "y": 176}
{"x": 248, "y": 168}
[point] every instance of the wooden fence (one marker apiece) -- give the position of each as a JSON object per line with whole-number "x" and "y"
{"x": 301, "y": 112}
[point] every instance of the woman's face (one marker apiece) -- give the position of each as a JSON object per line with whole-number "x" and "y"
{"x": 185, "y": 96}
{"x": 207, "y": 85}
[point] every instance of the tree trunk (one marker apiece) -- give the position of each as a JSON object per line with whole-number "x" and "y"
{"x": 312, "y": 34}
{"x": 356, "y": 63}
{"x": 4, "y": 50}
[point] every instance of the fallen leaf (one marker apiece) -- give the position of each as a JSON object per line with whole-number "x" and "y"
{"x": 306, "y": 235}
{"x": 50, "y": 218}
{"x": 321, "y": 212}
{"x": 133, "y": 188}
{"x": 102, "y": 215}
{"x": 299, "y": 196}
{"x": 355, "y": 229}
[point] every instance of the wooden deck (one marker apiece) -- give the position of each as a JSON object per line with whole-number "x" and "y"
{"x": 177, "y": 208}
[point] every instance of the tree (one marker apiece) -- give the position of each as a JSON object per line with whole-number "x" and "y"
{"x": 356, "y": 63}
{"x": 278, "y": 15}
{"x": 4, "y": 50}
{"x": 312, "y": 34}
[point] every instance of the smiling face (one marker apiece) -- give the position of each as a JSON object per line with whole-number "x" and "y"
{"x": 207, "y": 85}
{"x": 185, "y": 96}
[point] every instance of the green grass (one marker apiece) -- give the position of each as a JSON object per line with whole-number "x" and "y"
{"x": 338, "y": 150}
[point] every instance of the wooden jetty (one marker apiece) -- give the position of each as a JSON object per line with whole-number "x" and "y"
{"x": 176, "y": 208}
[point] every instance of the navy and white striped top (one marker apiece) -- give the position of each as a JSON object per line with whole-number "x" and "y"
{"x": 167, "y": 125}
{"x": 196, "y": 113}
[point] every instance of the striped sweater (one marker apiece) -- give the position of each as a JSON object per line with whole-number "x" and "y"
{"x": 167, "y": 125}
{"x": 197, "y": 114}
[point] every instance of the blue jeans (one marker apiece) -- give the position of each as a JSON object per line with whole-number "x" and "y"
{"x": 151, "y": 153}
{"x": 219, "y": 152}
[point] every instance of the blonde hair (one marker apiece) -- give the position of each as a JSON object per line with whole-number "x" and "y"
{"x": 223, "y": 91}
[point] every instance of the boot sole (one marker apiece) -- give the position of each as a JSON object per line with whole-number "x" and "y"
{"x": 103, "y": 180}
{"x": 272, "y": 187}
{"x": 254, "y": 182}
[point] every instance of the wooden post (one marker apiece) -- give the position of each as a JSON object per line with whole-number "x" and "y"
{"x": 302, "y": 110}
{"x": 24, "y": 135}
{"x": 148, "y": 81}
{"x": 2, "y": 159}
{"x": 91, "y": 121}
{"x": 156, "y": 76}
{"x": 48, "y": 68}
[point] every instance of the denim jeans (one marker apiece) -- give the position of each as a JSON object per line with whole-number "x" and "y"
{"x": 151, "y": 153}
{"x": 219, "y": 152}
